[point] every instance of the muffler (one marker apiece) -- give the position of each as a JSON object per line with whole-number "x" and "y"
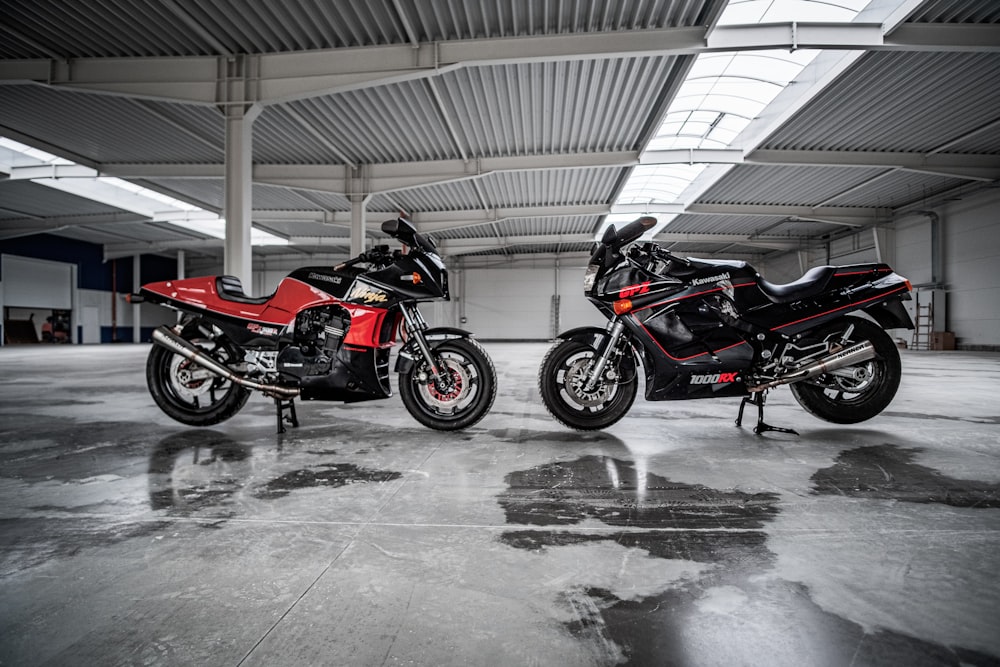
{"x": 852, "y": 355}
{"x": 168, "y": 339}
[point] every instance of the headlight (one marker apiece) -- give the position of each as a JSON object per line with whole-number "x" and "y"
{"x": 589, "y": 277}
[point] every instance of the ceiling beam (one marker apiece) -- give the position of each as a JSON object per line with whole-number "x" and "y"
{"x": 851, "y": 216}
{"x": 398, "y": 176}
{"x": 957, "y": 165}
{"x": 281, "y": 77}
{"x": 431, "y": 222}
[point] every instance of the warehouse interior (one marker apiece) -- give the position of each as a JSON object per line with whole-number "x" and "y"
{"x": 150, "y": 140}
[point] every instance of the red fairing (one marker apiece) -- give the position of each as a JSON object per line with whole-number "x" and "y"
{"x": 366, "y": 323}
{"x": 291, "y": 297}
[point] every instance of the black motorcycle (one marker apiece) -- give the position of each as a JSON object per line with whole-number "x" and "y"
{"x": 325, "y": 334}
{"x": 708, "y": 329}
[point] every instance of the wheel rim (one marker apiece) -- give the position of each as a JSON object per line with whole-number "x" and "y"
{"x": 193, "y": 387}
{"x": 571, "y": 379}
{"x": 461, "y": 395}
{"x": 852, "y": 384}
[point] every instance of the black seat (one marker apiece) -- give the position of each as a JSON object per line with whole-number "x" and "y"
{"x": 812, "y": 283}
{"x": 230, "y": 288}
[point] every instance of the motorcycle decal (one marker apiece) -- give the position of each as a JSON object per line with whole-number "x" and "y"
{"x": 710, "y": 279}
{"x": 633, "y": 290}
{"x": 336, "y": 280}
{"x": 716, "y": 378}
{"x": 262, "y": 330}
{"x": 368, "y": 294}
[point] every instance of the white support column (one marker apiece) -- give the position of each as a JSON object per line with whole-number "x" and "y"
{"x": 136, "y": 308}
{"x": 803, "y": 260}
{"x": 180, "y": 265}
{"x": 358, "y": 224}
{"x": 885, "y": 246}
{"x": 238, "y": 259}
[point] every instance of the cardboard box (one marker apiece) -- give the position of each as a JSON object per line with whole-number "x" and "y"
{"x": 942, "y": 340}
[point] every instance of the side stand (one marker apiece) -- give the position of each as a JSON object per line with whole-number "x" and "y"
{"x": 286, "y": 412}
{"x": 758, "y": 399}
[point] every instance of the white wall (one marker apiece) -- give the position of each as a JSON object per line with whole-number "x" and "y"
{"x": 513, "y": 299}
{"x": 972, "y": 268}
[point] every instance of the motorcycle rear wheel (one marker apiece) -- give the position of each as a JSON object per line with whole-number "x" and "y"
{"x": 189, "y": 393}
{"x": 471, "y": 397}
{"x": 561, "y": 380}
{"x": 849, "y": 400}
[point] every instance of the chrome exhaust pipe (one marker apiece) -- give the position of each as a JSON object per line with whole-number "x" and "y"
{"x": 168, "y": 339}
{"x": 852, "y": 355}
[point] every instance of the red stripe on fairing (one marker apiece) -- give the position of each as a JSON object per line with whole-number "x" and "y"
{"x": 691, "y": 296}
{"x": 850, "y": 305}
{"x": 693, "y": 356}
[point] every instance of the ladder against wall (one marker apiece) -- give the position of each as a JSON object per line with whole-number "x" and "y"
{"x": 923, "y": 325}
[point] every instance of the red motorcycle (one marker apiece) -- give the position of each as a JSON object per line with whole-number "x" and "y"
{"x": 325, "y": 334}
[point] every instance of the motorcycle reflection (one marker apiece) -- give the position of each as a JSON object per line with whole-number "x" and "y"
{"x": 192, "y": 470}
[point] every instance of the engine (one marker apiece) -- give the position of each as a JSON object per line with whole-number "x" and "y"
{"x": 316, "y": 339}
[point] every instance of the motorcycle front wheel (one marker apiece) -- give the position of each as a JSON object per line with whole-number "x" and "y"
{"x": 562, "y": 381}
{"x": 189, "y": 393}
{"x": 855, "y": 393}
{"x": 466, "y": 401}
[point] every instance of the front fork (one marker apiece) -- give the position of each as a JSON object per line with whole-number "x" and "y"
{"x": 416, "y": 325}
{"x": 610, "y": 347}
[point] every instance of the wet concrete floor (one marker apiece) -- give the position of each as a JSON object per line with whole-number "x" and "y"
{"x": 362, "y": 538}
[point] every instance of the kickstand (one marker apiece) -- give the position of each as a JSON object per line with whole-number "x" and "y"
{"x": 284, "y": 406}
{"x": 758, "y": 399}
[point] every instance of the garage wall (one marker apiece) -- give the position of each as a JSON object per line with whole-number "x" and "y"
{"x": 37, "y": 272}
{"x": 970, "y": 255}
{"x": 972, "y": 269}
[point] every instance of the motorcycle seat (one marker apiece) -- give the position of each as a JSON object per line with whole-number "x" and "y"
{"x": 812, "y": 283}
{"x": 230, "y": 288}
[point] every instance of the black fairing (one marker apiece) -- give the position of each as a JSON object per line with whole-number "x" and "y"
{"x": 358, "y": 374}
{"x": 335, "y": 283}
{"x": 700, "y": 325}
{"x": 399, "y": 277}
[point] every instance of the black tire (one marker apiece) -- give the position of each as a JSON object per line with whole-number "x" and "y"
{"x": 189, "y": 393}
{"x": 846, "y": 400}
{"x": 475, "y": 387}
{"x": 561, "y": 376}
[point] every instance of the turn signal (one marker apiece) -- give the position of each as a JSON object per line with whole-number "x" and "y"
{"x": 909, "y": 287}
{"x": 416, "y": 278}
{"x": 622, "y": 306}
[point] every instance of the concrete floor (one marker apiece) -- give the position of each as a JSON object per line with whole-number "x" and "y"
{"x": 361, "y": 538}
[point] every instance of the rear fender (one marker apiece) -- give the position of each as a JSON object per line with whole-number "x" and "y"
{"x": 409, "y": 353}
{"x": 890, "y": 314}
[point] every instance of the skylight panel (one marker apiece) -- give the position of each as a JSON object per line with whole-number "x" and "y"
{"x": 723, "y": 94}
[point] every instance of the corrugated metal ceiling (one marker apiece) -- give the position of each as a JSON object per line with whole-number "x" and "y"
{"x": 914, "y": 102}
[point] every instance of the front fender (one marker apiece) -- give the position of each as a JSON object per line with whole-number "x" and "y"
{"x": 592, "y": 336}
{"x": 410, "y": 352}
